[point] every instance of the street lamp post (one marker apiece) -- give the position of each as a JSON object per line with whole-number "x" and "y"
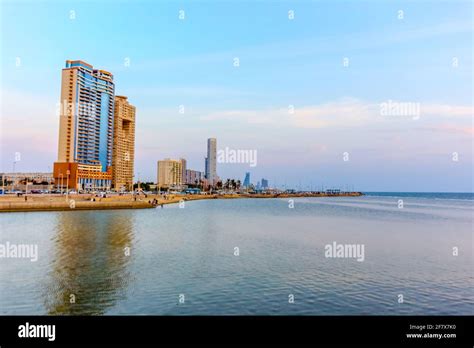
{"x": 14, "y": 176}
{"x": 26, "y": 189}
{"x": 67, "y": 184}
{"x": 50, "y": 181}
{"x": 61, "y": 182}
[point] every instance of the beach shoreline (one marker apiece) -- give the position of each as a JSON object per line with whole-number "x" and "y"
{"x": 10, "y": 203}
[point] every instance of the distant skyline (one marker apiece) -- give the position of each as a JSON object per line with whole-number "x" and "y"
{"x": 307, "y": 94}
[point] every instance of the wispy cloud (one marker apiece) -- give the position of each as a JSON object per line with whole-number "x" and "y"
{"x": 345, "y": 112}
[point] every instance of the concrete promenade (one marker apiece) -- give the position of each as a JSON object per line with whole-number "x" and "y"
{"x": 39, "y": 202}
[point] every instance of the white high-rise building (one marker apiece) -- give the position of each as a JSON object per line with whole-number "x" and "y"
{"x": 211, "y": 161}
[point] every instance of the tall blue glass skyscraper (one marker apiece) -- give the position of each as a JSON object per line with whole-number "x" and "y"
{"x": 87, "y": 115}
{"x": 247, "y": 180}
{"x": 85, "y": 128}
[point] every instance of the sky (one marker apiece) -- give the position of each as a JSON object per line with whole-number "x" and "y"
{"x": 370, "y": 95}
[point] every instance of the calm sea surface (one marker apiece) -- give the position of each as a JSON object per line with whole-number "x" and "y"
{"x": 190, "y": 252}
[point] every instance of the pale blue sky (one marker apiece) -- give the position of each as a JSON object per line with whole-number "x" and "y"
{"x": 282, "y": 62}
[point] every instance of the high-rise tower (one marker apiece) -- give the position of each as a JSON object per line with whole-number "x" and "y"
{"x": 85, "y": 127}
{"x": 247, "y": 180}
{"x": 123, "y": 144}
{"x": 211, "y": 165}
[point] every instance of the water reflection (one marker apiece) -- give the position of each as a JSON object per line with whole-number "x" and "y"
{"x": 90, "y": 262}
{"x": 191, "y": 251}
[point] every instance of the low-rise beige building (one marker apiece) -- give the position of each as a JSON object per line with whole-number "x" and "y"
{"x": 170, "y": 172}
